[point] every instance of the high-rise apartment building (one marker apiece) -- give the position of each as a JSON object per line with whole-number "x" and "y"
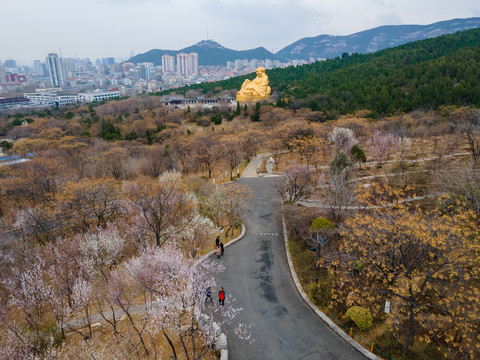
{"x": 10, "y": 64}
{"x": 145, "y": 70}
{"x": 108, "y": 61}
{"x": 187, "y": 64}
{"x": 55, "y": 70}
{"x": 69, "y": 64}
{"x": 127, "y": 66}
{"x": 192, "y": 64}
{"x": 38, "y": 67}
{"x": 2, "y": 74}
{"x": 168, "y": 64}
{"x": 182, "y": 63}
{"x": 238, "y": 64}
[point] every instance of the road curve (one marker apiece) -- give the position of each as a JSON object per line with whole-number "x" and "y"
{"x": 257, "y": 275}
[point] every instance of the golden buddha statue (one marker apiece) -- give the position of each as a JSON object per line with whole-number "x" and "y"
{"x": 256, "y": 89}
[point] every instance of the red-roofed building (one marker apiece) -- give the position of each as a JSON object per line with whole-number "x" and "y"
{"x": 15, "y": 78}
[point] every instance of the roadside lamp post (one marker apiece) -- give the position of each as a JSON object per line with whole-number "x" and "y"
{"x": 317, "y": 267}
{"x": 321, "y": 242}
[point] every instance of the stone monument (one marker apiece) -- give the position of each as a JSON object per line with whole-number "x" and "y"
{"x": 256, "y": 89}
{"x": 269, "y": 165}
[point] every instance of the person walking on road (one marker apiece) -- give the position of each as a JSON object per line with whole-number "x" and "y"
{"x": 209, "y": 295}
{"x": 221, "y": 297}
{"x": 219, "y": 251}
{"x": 221, "y": 248}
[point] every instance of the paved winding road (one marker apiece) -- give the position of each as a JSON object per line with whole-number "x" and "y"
{"x": 257, "y": 275}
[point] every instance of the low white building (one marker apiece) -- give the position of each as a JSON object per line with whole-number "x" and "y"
{"x": 44, "y": 99}
{"x": 98, "y": 95}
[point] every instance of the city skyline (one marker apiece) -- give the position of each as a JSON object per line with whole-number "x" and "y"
{"x": 114, "y": 28}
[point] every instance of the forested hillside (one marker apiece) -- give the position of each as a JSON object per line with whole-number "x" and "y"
{"x": 424, "y": 74}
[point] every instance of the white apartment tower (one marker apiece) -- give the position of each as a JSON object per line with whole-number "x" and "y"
{"x": 182, "y": 64}
{"x": 187, "y": 64}
{"x": 168, "y": 64}
{"x": 55, "y": 70}
{"x": 238, "y": 64}
{"x": 192, "y": 63}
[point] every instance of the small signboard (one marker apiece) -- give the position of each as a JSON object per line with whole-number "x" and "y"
{"x": 320, "y": 240}
{"x": 387, "y": 307}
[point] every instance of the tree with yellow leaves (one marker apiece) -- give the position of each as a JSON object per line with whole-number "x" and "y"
{"x": 34, "y": 184}
{"x": 89, "y": 202}
{"x": 307, "y": 147}
{"x": 425, "y": 263}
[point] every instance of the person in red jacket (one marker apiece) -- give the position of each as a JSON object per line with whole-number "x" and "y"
{"x": 221, "y": 297}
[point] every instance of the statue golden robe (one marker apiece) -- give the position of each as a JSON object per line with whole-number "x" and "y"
{"x": 256, "y": 89}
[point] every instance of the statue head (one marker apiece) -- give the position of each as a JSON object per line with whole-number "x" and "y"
{"x": 260, "y": 70}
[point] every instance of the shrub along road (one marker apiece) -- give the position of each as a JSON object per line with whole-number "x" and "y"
{"x": 258, "y": 277}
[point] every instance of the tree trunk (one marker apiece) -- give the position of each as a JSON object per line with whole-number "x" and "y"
{"x": 87, "y": 313}
{"x": 175, "y": 357}
{"x": 410, "y": 330}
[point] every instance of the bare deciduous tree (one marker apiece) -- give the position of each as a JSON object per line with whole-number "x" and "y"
{"x": 460, "y": 183}
{"x": 467, "y": 123}
{"x": 296, "y": 184}
{"x": 382, "y": 147}
{"x": 338, "y": 193}
{"x": 155, "y": 208}
{"x": 208, "y": 151}
{"x": 343, "y": 139}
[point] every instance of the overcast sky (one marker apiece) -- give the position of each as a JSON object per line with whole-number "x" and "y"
{"x": 30, "y": 29}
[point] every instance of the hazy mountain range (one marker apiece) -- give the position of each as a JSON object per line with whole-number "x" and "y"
{"x": 322, "y": 46}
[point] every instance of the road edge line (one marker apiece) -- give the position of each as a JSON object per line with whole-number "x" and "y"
{"x": 317, "y": 311}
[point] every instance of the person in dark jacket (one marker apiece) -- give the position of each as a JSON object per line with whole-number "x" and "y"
{"x": 209, "y": 295}
{"x": 221, "y": 248}
{"x": 217, "y": 241}
{"x": 221, "y": 297}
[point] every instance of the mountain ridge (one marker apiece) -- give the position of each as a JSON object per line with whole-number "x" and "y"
{"x": 209, "y": 53}
{"x": 372, "y": 40}
{"x": 321, "y": 46}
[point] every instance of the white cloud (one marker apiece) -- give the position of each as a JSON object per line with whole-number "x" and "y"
{"x": 389, "y": 19}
